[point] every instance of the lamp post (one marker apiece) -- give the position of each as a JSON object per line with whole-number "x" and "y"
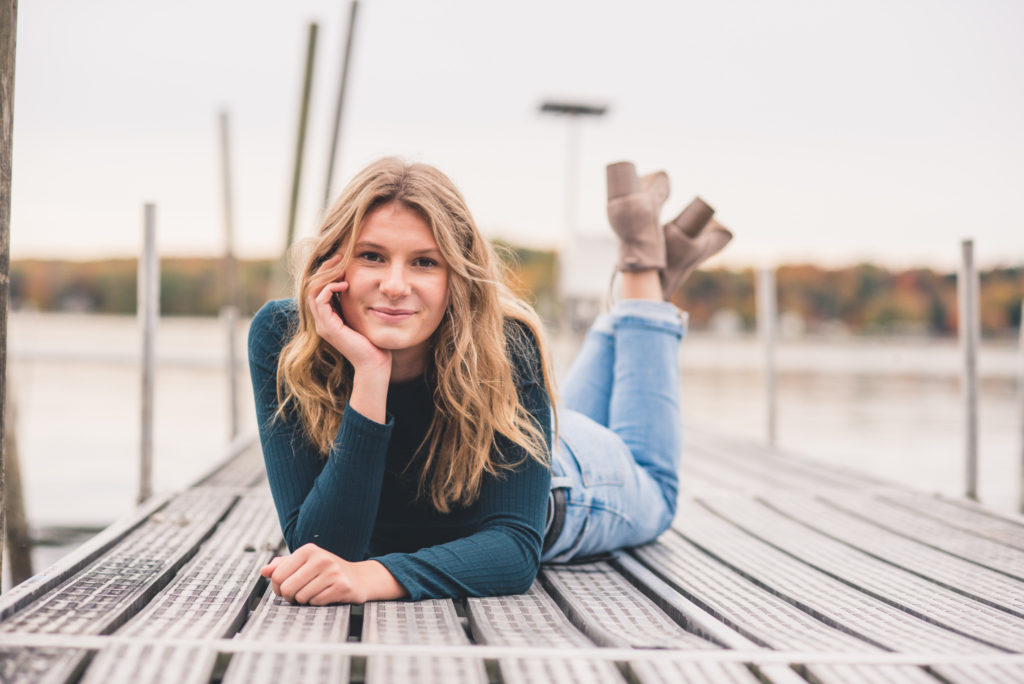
{"x": 574, "y": 111}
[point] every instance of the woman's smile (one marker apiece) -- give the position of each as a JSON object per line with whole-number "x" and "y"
{"x": 389, "y": 315}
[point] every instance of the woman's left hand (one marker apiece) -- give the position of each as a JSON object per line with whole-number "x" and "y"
{"x": 317, "y": 577}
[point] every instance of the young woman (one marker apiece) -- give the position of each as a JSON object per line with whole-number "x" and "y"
{"x": 404, "y": 399}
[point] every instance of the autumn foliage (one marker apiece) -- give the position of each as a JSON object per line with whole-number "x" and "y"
{"x": 863, "y": 298}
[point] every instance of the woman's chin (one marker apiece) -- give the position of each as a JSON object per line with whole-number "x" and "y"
{"x": 392, "y": 341}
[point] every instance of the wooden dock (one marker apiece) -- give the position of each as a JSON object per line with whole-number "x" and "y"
{"x": 777, "y": 569}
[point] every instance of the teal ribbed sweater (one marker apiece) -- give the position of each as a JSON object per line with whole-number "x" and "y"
{"x": 360, "y": 502}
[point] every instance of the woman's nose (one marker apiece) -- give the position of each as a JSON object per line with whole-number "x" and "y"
{"x": 394, "y": 283}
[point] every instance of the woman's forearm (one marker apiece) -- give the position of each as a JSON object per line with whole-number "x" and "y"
{"x": 380, "y": 584}
{"x": 370, "y": 394}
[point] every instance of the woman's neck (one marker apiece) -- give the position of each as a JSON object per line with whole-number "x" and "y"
{"x": 408, "y": 364}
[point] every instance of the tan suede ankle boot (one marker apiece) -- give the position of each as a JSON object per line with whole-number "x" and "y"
{"x": 634, "y": 206}
{"x": 690, "y": 239}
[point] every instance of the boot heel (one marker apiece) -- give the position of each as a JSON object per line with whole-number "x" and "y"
{"x": 622, "y": 179}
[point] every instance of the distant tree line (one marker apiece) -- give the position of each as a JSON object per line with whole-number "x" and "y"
{"x": 863, "y": 298}
{"x": 196, "y": 286}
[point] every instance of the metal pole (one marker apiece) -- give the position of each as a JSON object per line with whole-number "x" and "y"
{"x": 573, "y": 110}
{"x": 766, "y": 316}
{"x": 1020, "y": 403}
{"x": 281, "y": 276}
{"x": 148, "y": 311}
{"x": 572, "y": 177}
{"x": 967, "y": 291}
{"x": 230, "y": 308}
{"x": 8, "y": 32}
{"x": 229, "y": 316}
{"x": 335, "y": 134}
{"x": 300, "y": 143}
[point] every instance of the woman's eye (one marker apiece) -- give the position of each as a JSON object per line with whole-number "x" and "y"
{"x": 371, "y": 256}
{"x": 425, "y": 262}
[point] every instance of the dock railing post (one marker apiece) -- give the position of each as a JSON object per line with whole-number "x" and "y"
{"x": 969, "y": 323}
{"x": 1020, "y": 404}
{"x": 8, "y": 31}
{"x": 229, "y": 311}
{"x": 766, "y": 327}
{"x": 148, "y": 311}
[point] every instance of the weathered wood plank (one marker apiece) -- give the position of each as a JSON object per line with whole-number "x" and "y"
{"x": 939, "y": 535}
{"x": 697, "y": 473}
{"x": 209, "y": 597}
{"x": 611, "y": 611}
{"x": 698, "y": 621}
{"x": 243, "y": 468}
{"x": 964, "y": 515}
{"x": 133, "y": 663}
{"x": 683, "y": 611}
{"x": 297, "y": 667}
{"x": 907, "y": 592}
{"x": 106, "y": 593}
{"x": 969, "y": 579}
{"x": 695, "y": 673}
{"x": 825, "y": 598}
{"x": 759, "y": 615}
{"x": 41, "y": 665}
{"x": 534, "y": 620}
{"x": 570, "y": 670}
{"x": 980, "y": 674}
{"x": 769, "y": 467}
{"x": 792, "y": 470}
{"x": 429, "y": 622}
{"x": 42, "y": 582}
{"x": 530, "y": 619}
{"x": 276, "y": 620}
{"x": 882, "y": 674}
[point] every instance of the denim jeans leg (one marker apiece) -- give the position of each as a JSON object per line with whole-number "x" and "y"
{"x": 645, "y": 401}
{"x": 588, "y": 387}
{"x": 622, "y": 486}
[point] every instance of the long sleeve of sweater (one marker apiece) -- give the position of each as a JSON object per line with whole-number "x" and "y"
{"x": 330, "y": 502}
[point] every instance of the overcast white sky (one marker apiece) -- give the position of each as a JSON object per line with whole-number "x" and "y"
{"x": 823, "y": 131}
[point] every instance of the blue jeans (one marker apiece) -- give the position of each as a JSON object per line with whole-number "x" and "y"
{"x": 620, "y": 432}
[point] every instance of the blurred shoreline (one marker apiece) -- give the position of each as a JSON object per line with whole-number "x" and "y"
{"x": 815, "y": 301}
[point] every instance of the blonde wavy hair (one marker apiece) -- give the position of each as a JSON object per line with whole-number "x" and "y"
{"x": 476, "y": 402}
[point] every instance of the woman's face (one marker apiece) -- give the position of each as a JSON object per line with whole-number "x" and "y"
{"x": 398, "y": 286}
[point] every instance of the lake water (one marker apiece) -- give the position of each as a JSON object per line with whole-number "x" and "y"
{"x": 891, "y": 408}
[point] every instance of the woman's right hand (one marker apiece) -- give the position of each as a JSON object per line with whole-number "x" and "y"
{"x": 365, "y": 357}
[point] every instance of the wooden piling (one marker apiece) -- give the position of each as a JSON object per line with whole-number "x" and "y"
{"x": 1020, "y": 403}
{"x": 229, "y": 311}
{"x": 336, "y": 129}
{"x": 8, "y": 31}
{"x": 19, "y": 541}
{"x": 970, "y": 332}
{"x": 148, "y": 312}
